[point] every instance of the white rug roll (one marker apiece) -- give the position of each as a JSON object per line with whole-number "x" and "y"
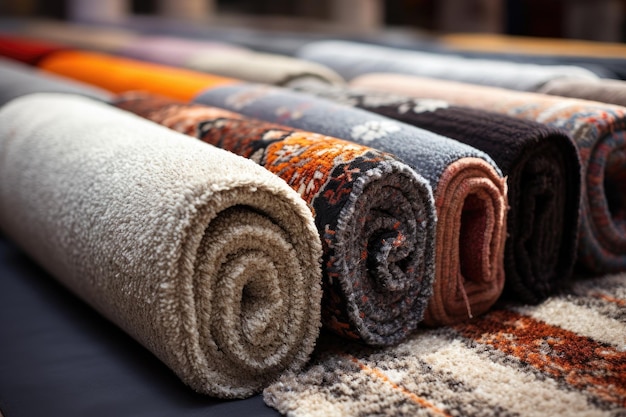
{"x": 206, "y": 258}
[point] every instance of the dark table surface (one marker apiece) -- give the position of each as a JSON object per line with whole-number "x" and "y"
{"x": 59, "y": 357}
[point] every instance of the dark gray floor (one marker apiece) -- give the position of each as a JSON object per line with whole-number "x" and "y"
{"x": 58, "y": 357}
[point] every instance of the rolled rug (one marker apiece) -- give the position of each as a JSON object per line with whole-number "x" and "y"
{"x": 205, "y": 258}
{"x": 262, "y": 67}
{"x": 598, "y": 129}
{"x": 25, "y": 50}
{"x": 351, "y": 59}
{"x": 542, "y": 168}
{"x": 375, "y": 215}
{"x": 605, "y": 91}
{"x": 470, "y": 193}
{"x": 17, "y": 80}
{"x": 169, "y": 50}
{"x": 119, "y": 75}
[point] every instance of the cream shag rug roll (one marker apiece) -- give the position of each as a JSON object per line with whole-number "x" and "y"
{"x": 207, "y": 259}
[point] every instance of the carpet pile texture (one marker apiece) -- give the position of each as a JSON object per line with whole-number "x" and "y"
{"x": 598, "y": 129}
{"x": 375, "y": 215}
{"x": 351, "y": 59}
{"x": 542, "y": 168}
{"x": 205, "y": 258}
{"x": 563, "y": 357}
{"x": 469, "y": 191}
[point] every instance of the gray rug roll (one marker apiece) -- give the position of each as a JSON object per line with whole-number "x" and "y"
{"x": 605, "y": 91}
{"x": 204, "y": 257}
{"x": 17, "y": 80}
{"x": 262, "y": 67}
{"x": 351, "y": 59}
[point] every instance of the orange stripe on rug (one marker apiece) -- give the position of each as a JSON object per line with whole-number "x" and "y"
{"x": 580, "y": 361}
{"x": 608, "y": 298}
{"x": 378, "y": 374}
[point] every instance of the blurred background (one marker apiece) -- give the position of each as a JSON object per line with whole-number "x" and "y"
{"x": 599, "y": 20}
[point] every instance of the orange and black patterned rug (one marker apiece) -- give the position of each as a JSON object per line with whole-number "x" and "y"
{"x": 564, "y": 357}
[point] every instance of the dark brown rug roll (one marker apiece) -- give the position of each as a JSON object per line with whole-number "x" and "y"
{"x": 543, "y": 174}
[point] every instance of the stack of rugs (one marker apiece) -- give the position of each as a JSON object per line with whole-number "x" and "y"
{"x": 353, "y": 230}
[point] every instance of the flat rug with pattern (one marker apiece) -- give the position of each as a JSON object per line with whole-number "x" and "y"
{"x": 564, "y": 357}
{"x": 374, "y": 214}
{"x": 542, "y": 168}
{"x": 598, "y": 129}
{"x": 470, "y": 193}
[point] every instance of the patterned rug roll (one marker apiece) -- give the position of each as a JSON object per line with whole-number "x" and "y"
{"x": 17, "y": 80}
{"x": 205, "y": 258}
{"x": 375, "y": 216}
{"x": 564, "y": 357}
{"x": 542, "y": 168}
{"x": 119, "y": 75}
{"x": 470, "y": 194}
{"x": 605, "y": 91}
{"x": 352, "y": 59}
{"x": 599, "y": 131}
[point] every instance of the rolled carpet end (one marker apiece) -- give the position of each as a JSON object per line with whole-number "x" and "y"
{"x": 470, "y": 203}
{"x": 374, "y": 214}
{"x": 208, "y": 260}
{"x": 429, "y": 154}
{"x": 542, "y": 168}
{"x": 597, "y": 129}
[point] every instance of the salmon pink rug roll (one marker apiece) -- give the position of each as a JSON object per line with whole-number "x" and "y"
{"x": 169, "y": 50}
{"x": 598, "y": 129}
{"x": 469, "y": 190}
{"x": 375, "y": 215}
{"x": 121, "y": 74}
{"x": 205, "y": 258}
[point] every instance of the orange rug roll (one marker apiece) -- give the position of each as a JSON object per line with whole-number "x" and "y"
{"x": 119, "y": 75}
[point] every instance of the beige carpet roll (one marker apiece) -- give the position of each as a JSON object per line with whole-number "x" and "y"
{"x": 604, "y": 90}
{"x": 204, "y": 257}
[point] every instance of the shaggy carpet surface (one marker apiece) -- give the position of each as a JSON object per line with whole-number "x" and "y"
{"x": 470, "y": 193}
{"x": 598, "y": 129}
{"x": 542, "y": 168}
{"x": 351, "y": 59}
{"x": 563, "y": 357}
{"x": 17, "y": 80}
{"x": 205, "y": 258}
{"x": 375, "y": 215}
